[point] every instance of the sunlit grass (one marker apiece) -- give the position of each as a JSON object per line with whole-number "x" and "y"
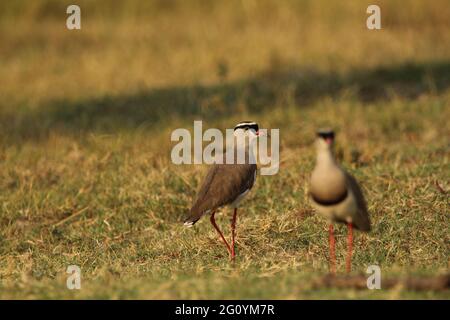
{"x": 85, "y": 123}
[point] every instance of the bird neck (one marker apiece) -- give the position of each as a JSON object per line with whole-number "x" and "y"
{"x": 246, "y": 145}
{"x": 325, "y": 157}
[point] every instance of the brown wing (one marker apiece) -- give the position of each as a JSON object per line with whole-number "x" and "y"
{"x": 222, "y": 185}
{"x": 361, "y": 219}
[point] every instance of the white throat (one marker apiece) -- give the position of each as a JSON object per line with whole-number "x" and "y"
{"x": 246, "y": 144}
{"x": 325, "y": 157}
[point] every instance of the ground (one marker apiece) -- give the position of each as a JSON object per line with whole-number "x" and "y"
{"x": 85, "y": 123}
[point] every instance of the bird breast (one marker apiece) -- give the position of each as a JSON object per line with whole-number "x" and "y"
{"x": 328, "y": 183}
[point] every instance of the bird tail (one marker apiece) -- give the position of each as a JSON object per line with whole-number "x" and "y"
{"x": 364, "y": 224}
{"x": 189, "y": 222}
{"x": 194, "y": 216}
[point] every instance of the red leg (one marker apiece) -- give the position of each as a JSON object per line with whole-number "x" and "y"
{"x": 332, "y": 250}
{"x": 233, "y": 233}
{"x": 349, "y": 247}
{"x": 213, "y": 222}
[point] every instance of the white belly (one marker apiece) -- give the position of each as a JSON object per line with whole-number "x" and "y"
{"x": 343, "y": 211}
{"x": 236, "y": 202}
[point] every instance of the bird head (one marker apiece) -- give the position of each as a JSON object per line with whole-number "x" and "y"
{"x": 248, "y": 129}
{"x": 325, "y": 139}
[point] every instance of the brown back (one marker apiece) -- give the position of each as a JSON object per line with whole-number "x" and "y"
{"x": 361, "y": 220}
{"x": 222, "y": 185}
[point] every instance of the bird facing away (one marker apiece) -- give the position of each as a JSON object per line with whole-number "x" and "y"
{"x": 228, "y": 183}
{"x": 336, "y": 195}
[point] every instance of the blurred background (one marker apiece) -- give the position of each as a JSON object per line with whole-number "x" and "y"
{"x": 150, "y": 53}
{"x": 86, "y": 117}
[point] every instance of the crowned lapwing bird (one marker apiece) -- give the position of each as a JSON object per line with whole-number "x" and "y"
{"x": 336, "y": 195}
{"x": 228, "y": 183}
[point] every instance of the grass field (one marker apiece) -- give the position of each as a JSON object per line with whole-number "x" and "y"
{"x": 85, "y": 124}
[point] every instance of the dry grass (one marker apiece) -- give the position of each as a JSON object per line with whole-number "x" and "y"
{"x": 85, "y": 123}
